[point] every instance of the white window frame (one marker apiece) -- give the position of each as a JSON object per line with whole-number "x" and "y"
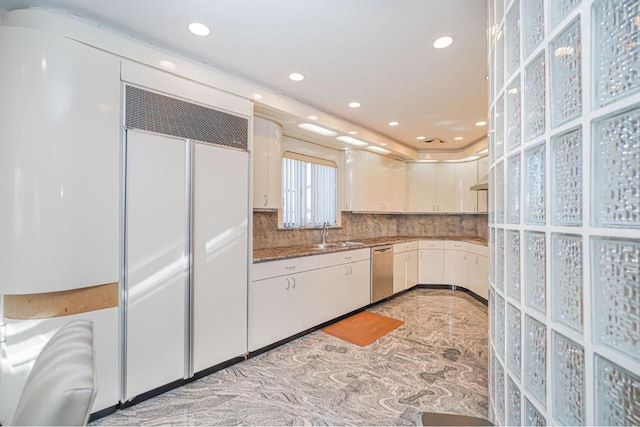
{"x": 320, "y": 204}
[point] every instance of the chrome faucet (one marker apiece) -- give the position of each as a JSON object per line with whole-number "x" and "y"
{"x": 325, "y": 232}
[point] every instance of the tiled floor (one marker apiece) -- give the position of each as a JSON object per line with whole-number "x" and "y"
{"x": 436, "y": 362}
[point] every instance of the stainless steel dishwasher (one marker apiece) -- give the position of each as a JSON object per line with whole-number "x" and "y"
{"x": 381, "y": 272}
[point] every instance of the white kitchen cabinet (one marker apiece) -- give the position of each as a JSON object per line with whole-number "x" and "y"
{"x": 267, "y": 164}
{"x": 466, "y": 200}
{"x": 431, "y": 262}
{"x": 374, "y": 183}
{"x": 405, "y": 266}
{"x": 269, "y": 311}
{"x": 477, "y": 269}
{"x": 60, "y": 136}
{"x": 455, "y": 263}
{"x": 306, "y": 292}
{"x": 431, "y": 187}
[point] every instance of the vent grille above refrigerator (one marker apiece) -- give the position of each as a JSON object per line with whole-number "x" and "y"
{"x": 153, "y": 112}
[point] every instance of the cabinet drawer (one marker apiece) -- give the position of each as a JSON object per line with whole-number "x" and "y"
{"x": 431, "y": 244}
{"x": 455, "y": 246}
{"x": 478, "y": 249}
{"x": 405, "y": 247}
{"x": 265, "y": 270}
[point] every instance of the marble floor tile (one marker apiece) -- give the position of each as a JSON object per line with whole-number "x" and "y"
{"x": 435, "y": 362}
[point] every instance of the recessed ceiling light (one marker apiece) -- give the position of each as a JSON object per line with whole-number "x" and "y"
{"x": 354, "y": 104}
{"x": 443, "y": 42}
{"x": 317, "y": 129}
{"x": 257, "y": 96}
{"x": 296, "y": 77}
{"x": 427, "y": 161}
{"x": 421, "y": 138}
{"x": 312, "y": 117}
{"x": 378, "y": 149}
{"x": 466, "y": 159}
{"x": 353, "y": 132}
{"x": 352, "y": 141}
{"x": 394, "y": 123}
{"x": 199, "y": 29}
{"x": 458, "y": 138}
{"x": 481, "y": 123}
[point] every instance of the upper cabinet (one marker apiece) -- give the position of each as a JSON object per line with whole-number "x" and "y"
{"x": 374, "y": 183}
{"x": 431, "y": 187}
{"x": 466, "y": 176}
{"x": 267, "y": 164}
{"x": 483, "y": 170}
{"x": 442, "y": 187}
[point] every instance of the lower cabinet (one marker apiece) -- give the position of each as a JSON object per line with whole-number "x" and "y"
{"x": 405, "y": 266}
{"x": 325, "y": 287}
{"x": 477, "y": 267}
{"x": 431, "y": 262}
{"x": 455, "y": 263}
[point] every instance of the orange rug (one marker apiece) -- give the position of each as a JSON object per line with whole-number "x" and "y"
{"x": 363, "y": 328}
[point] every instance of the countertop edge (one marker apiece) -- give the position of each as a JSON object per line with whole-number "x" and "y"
{"x": 286, "y": 252}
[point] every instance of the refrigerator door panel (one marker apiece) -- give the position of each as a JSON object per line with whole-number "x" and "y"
{"x": 220, "y": 254}
{"x": 156, "y": 263}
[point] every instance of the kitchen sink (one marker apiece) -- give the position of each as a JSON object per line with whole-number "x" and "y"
{"x": 319, "y": 246}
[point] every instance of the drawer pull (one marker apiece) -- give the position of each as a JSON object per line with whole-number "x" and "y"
{"x": 290, "y": 267}
{"x": 347, "y": 257}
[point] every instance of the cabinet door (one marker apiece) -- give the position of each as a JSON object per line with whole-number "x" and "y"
{"x": 358, "y": 287}
{"x": 267, "y": 166}
{"x": 156, "y": 261}
{"x": 399, "y": 272}
{"x": 357, "y": 181}
{"x": 477, "y": 274}
{"x": 351, "y": 288}
{"x": 445, "y": 187}
{"x": 412, "y": 269}
{"x": 455, "y": 267}
{"x": 399, "y": 187}
{"x": 308, "y": 299}
{"x": 466, "y": 176}
{"x": 269, "y": 316}
{"x": 421, "y": 189}
{"x": 220, "y": 254}
{"x": 431, "y": 267}
{"x": 260, "y": 163}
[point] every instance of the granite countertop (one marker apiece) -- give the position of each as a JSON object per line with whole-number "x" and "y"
{"x": 272, "y": 254}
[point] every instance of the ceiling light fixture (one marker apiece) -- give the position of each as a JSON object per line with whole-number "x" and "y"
{"x": 458, "y": 138}
{"x": 466, "y": 159}
{"x": 427, "y": 161}
{"x": 354, "y": 104}
{"x": 352, "y": 141}
{"x": 481, "y": 123}
{"x": 394, "y": 123}
{"x": 421, "y": 138}
{"x": 317, "y": 129}
{"x": 443, "y": 42}
{"x": 378, "y": 149}
{"x": 199, "y": 29}
{"x": 296, "y": 77}
{"x": 257, "y": 96}
{"x": 312, "y": 117}
{"x": 353, "y": 132}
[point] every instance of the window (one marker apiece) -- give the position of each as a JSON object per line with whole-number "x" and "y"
{"x": 309, "y": 191}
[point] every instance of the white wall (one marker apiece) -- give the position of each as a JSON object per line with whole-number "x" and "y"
{"x": 565, "y": 219}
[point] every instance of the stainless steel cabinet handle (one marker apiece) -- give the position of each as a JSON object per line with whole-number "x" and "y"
{"x": 346, "y": 270}
{"x": 288, "y": 284}
{"x": 350, "y": 270}
{"x": 266, "y": 199}
{"x": 290, "y": 267}
{"x": 294, "y": 282}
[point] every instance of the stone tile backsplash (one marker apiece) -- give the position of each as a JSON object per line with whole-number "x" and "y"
{"x": 364, "y": 226}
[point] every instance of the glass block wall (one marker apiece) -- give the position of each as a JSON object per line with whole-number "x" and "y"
{"x": 564, "y": 134}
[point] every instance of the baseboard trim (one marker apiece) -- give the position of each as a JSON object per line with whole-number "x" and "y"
{"x": 454, "y": 288}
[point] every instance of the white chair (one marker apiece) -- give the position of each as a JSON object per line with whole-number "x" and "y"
{"x": 61, "y": 386}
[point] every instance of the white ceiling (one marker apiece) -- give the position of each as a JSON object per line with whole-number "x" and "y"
{"x": 377, "y": 52}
